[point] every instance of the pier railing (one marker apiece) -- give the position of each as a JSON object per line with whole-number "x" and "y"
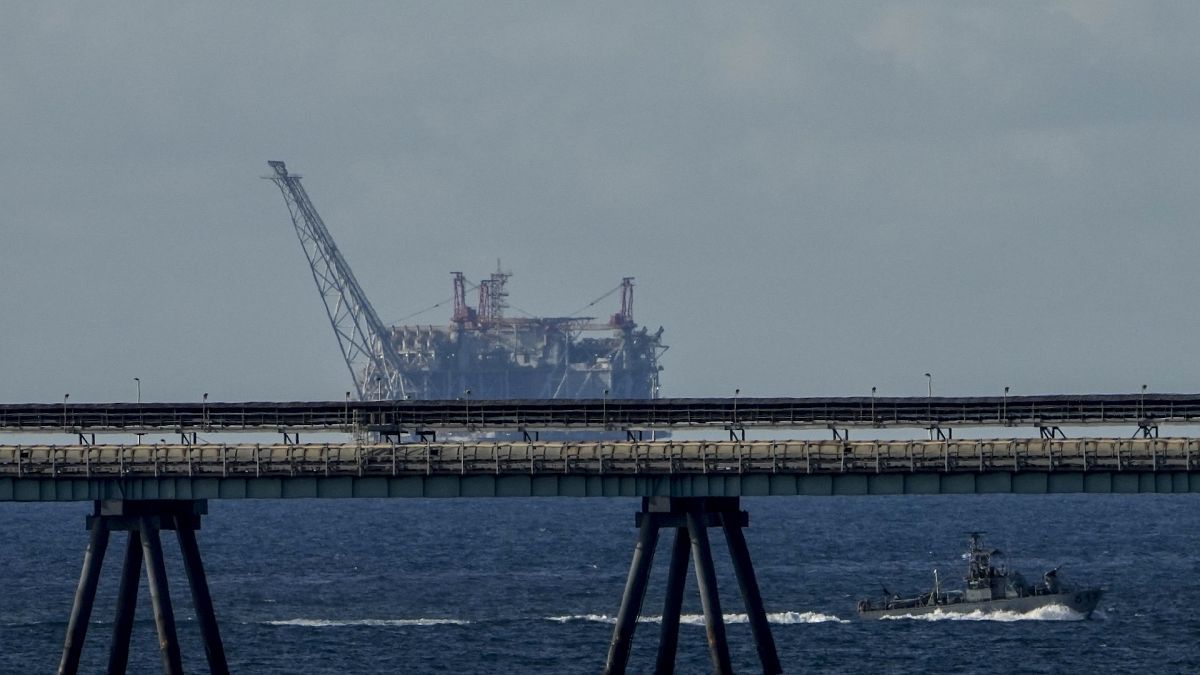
{"x": 412, "y": 416}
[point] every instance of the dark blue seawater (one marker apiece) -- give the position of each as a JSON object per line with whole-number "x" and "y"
{"x": 508, "y": 585}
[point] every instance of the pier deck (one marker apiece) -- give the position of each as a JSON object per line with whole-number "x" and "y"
{"x": 665, "y": 468}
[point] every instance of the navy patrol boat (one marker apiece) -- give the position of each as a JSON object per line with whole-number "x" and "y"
{"x": 990, "y": 588}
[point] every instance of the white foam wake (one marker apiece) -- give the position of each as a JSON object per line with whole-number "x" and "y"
{"x": 1047, "y": 613}
{"x": 698, "y": 619}
{"x": 337, "y": 623}
{"x": 803, "y": 617}
{"x": 597, "y": 618}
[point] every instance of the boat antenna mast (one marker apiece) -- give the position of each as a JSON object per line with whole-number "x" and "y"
{"x": 365, "y": 340}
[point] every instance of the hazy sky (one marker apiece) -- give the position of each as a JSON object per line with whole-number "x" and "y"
{"x": 815, "y": 198}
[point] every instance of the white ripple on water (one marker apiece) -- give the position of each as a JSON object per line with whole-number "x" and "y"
{"x": 338, "y": 623}
{"x": 1047, "y": 613}
{"x": 698, "y": 619}
{"x": 802, "y": 617}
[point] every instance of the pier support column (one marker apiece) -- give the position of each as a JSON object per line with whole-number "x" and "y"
{"x": 668, "y": 637}
{"x": 85, "y": 597}
{"x": 631, "y": 600}
{"x": 143, "y": 520}
{"x": 118, "y": 655}
{"x": 691, "y": 517}
{"x": 748, "y": 584}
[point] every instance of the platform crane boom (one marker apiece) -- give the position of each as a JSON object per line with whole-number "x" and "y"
{"x": 363, "y": 337}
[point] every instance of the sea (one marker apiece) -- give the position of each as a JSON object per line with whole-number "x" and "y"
{"x": 532, "y": 585}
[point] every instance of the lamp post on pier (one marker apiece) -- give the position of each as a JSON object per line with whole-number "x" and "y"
{"x": 929, "y": 400}
{"x": 138, "y": 381}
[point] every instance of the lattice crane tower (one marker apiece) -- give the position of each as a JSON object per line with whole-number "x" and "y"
{"x": 363, "y": 337}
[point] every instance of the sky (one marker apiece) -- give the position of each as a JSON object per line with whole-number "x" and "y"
{"x": 814, "y": 198}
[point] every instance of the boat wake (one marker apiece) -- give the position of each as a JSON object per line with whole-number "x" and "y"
{"x": 1047, "y": 613}
{"x": 802, "y": 617}
{"x": 698, "y": 619}
{"x": 335, "y": 623}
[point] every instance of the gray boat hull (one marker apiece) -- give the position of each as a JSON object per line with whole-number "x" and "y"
{"x": 1083, "y": 601}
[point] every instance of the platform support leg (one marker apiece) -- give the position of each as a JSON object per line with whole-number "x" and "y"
{"x": 160, "y": 598}
{"x": 131, "y": 571}
{"x": 144, "y": 519}
{"x": 631, "y": 600}
{"x": 691, "y": 517}
{"x": 748, "y": 585}
{"x": 710, "y": 601}
{"x": 668, "y": 640}
{"x": 213, "y": 648}
{"x": 85, "y": 597}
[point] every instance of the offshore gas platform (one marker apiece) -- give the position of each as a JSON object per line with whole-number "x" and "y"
{"x": 481, "y": 353}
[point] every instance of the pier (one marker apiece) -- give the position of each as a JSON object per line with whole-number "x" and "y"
{"x": 391, "y": 450}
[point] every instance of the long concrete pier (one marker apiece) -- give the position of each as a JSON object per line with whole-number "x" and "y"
{"x": 687, "y": 487}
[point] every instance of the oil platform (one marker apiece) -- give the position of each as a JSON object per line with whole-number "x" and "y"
{"x": 481, "y": 353}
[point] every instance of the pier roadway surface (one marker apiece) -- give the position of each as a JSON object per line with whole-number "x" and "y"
{"x": 595, "y": 469}
{"x": 409, "y": 416}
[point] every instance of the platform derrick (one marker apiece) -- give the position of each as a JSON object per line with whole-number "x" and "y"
{"x": 482, "y": 353}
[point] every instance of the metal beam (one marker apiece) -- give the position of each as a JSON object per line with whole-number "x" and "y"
{"x": 748, "y": 585}
{"x": 710, "y": 601}
{"x": 118, "y": 655}
{"x": 160, "y": 597}
{"x": 207, "y": 618}
{"x": 668, "y": 640}
{"x": 85, "y": 597}
{"x": 631, "y": 600}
